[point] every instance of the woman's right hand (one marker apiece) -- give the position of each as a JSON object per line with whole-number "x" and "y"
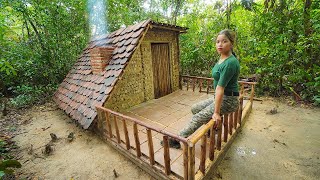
{"x": 217, "y": 120}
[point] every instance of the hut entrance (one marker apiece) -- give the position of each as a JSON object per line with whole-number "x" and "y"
{"x": 161, "y": 69}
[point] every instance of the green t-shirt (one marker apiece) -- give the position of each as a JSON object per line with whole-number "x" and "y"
{"x": 226, "y": 74}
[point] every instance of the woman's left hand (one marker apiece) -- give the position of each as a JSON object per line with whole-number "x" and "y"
{"x": 217, "y": 119}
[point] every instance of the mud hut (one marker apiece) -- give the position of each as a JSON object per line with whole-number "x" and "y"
{"x": 122, "y": 69}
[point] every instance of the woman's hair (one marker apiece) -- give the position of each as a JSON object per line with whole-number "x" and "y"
{"x": 230, "y": 35}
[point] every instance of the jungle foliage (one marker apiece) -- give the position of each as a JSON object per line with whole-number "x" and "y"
{"x": 277, "y": 40}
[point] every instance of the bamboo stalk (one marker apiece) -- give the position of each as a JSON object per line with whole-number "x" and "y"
{"x": 212, "y": 143}
{"x": 219, "y": 136}
{"x": 166, "y": 155}
{"x": 108, "y": 124}
{"x": 225, "y": 127}
{"x": 185, "y": 161}
{"x": 191, "y": 162}
{"x": 203, "y": 154}
{"x": 136, "y": 138}
{"x": 126, "y": 135}
{"x": 117, "y": 129}
{"x": 150, "y": 145}
{"x": 230, "y": 122}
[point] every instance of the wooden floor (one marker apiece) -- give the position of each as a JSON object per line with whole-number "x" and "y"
{"x": 170, "y": 113}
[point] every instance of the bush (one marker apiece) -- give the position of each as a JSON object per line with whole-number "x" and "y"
{"x": 29, "y": 95}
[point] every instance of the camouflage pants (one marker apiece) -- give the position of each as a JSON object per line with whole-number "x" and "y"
{"x": 203, "y": 111}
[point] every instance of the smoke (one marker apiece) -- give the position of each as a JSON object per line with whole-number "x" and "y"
{"x": 97, "y": 17}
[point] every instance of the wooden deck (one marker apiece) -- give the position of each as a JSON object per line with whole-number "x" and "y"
{"x": 170, "y": 113}
{"x": 137, "y": 132}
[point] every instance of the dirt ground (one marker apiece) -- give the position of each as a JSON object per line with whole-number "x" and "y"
{"x": 284, "y": 144}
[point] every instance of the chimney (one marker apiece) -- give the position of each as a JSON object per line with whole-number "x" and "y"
{"x": 99, "y": 58}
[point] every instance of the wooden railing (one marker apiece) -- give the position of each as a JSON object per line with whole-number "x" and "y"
{"x": 219, "y": 139}
{"x": 112, "y": 118}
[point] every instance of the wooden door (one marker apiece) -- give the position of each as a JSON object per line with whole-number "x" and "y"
{"x": 161, "y": 69}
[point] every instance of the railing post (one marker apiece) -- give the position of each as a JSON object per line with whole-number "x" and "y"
{"x": 212, "y": 143}
{"x": 117, "y": 129}
{"x": 150, "y": 145}
{"x": 136, "y": 137}
{"x": 166, "y": 155}
{"x": 219, "y": 135}
{"x": 126, "y": 135}
{"x": 235, "y": 119}
{"x": 108, "y": 124}
{"x": 193, "y": 84}
{"x": 203, "y": 153}
{"x": 231, "y": 122}
{"x": 191, "y": 163}
{"x": 185, "y": 161}
{"x": 225, "y": 127}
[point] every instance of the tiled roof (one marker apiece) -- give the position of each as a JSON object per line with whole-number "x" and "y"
{"x": 82, "y": 90}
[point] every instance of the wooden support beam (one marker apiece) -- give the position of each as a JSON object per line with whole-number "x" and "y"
{"x": 208, "y": 86}
{"x": 136, "y": 138}
{"x": 126, "y": 135}
{"x": 202, "y": 166}
{"x": 200, "y": 85}
{"x": 150, "y": 145}
{"x": 117, "y": 129}
{"x": 166, "y": 155}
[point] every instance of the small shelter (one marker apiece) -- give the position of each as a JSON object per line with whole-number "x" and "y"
{"x": 123, "y": 69}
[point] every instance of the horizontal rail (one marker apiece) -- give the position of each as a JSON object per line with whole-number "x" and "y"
{"x": 205, "y": 78}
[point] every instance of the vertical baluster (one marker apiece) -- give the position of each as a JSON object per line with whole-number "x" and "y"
{"x": 252, "y": 93}
{"x": 235, "y": 119}
{"x": 230, "y": 122}
{"x": 126, "y": 135}
{"x": 191, "y": 162}
{"x": 219, "y": 136}
{"x": 187, "y": 83}
{"x": 203, "y": 153}
{"x": 136, "y": 137}
{"x": 193, "y": 84}
{"x": 108, "y": 123}
{"x": 208, "y": 86}
{"x": 166, "y": 155}
{"x": 225, "y": 127}
{"x": 185, "y": 161}
{"x": 117, "y": 129}
{"x": 212, "y": 143}
{"x": 241, "y": 104}
{"x": 150, "y": 145}
{"x": 200, "y": 85}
